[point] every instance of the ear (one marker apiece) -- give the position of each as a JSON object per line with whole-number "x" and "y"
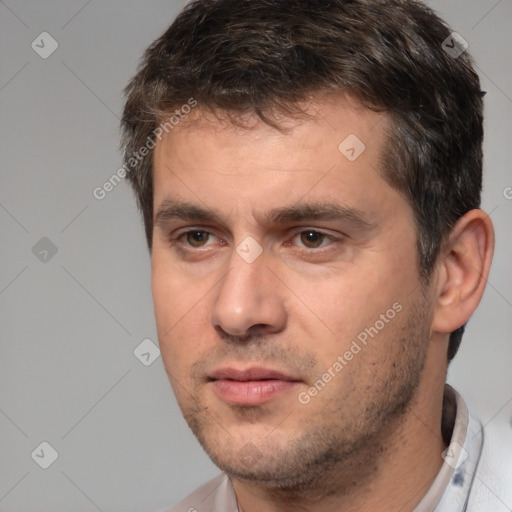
{"x": 462, "y": 270}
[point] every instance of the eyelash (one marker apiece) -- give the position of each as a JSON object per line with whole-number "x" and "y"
{"x": 327, "y": 236}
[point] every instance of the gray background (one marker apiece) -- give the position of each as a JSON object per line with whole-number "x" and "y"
{"x": 70, "y": 323}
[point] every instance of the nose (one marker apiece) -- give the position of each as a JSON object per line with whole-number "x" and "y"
{"x": 249, "y": 299}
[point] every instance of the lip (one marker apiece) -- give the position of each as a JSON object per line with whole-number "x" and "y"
{"x": 251, "y": 386}
{"x": 253, "y": 373}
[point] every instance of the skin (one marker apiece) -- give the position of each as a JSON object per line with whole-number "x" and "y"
{"x": 356, "y": 444}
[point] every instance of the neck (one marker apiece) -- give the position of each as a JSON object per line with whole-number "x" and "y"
{"x": 392, "y": 472}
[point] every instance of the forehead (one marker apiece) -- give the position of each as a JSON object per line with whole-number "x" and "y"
{"x": 332, "y": 152}
{"x": 324, "y": 123}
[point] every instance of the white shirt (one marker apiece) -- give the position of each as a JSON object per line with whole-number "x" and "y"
{"x": 476, "y": 475}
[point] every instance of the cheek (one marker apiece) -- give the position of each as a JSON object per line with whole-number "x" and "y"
{"x": 181, "y": 313}
{"x": 172, "y": 294}
{"x": 365, "y": 305}
{"x": 347, "y": 300}
{"x": 170, "y": 304}
{"x": 165, "y": 299}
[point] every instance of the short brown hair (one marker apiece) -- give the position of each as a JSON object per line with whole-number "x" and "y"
{"x": 263, "y": 56}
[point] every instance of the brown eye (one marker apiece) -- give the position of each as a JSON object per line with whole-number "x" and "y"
{"x": 312, "y": 239}
{"x": 197, "y": 238}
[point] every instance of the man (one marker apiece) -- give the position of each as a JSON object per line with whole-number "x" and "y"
{"x": 309, "y": 175}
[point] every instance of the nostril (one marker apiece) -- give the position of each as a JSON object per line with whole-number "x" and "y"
{"x": 255, "y": 334}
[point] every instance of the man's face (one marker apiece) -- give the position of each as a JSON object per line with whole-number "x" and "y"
{"x": 290, "y": 314}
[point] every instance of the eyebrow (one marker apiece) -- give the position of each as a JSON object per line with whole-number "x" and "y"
{"x": 319, "y": 211}
{"x": 171, "y": 209}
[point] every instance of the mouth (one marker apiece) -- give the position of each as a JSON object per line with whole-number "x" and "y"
{"x": 251, "y": 386}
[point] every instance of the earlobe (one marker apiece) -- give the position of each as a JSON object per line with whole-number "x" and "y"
{"x": 463, "y": 269}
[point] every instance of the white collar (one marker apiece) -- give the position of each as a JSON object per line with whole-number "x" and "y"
{"x": 451, "y": 488}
